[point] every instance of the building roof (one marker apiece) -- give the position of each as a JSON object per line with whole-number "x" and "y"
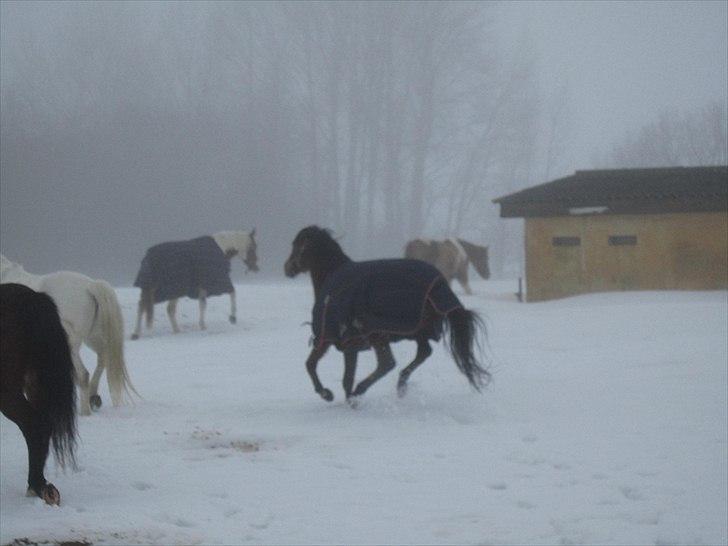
{"x": 623, "y": 191}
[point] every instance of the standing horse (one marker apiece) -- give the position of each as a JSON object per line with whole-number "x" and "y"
{"x": 451, "y": 257}
{"x": 197, "y": 268}
{"x": 359, "y": 305}
{"x": 36, "y": 381}
{"x": 90, "y": 314}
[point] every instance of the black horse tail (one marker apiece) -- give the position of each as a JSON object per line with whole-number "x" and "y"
{"x": 54, "y": 373}
{"x": 465, "y": 328}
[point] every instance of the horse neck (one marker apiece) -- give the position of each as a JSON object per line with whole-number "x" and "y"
{"x": 232, "y": 243}
{"x": 478, "y": 256}
{"x": 17, "y": 274}
{"x": 322, "y": 269}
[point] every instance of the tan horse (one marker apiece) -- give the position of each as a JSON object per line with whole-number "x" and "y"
{"x": 451, "y": 257}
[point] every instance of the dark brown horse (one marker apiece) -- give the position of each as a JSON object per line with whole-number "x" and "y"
{"x": 451, "y": 257}
{"x": 362, "y": 305}
{"x": 37, "y": 391}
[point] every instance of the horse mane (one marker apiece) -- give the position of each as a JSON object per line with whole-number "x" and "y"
{"x": 323, "y": 245}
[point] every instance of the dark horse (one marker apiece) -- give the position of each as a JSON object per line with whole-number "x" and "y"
{"x": 37, "y": 391}
{"x": 362, "y": 305}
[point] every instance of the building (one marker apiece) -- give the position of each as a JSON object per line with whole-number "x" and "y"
{"x": 624, "y": 229}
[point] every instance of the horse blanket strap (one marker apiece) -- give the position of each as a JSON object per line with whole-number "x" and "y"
{"x": 380, "y": 297}
{"x": 181, "y": 268}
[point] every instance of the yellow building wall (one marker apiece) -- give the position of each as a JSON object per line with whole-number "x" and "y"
{"x": 681, "y": 251}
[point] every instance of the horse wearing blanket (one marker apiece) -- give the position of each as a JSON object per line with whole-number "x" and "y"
{"x": 362, "y": 305}
{"x": 197, "y": 268}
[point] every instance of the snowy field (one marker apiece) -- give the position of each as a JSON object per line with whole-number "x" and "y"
{"x": 605, "y": 424}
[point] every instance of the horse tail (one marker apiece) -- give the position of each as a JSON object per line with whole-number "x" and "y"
{"x": 464, "y": 328}
{"x": 112, "y": 335}
{"x": 54, "y": 373}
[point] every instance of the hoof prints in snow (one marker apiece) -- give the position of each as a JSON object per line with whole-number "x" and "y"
{"x": 213, "y": 439}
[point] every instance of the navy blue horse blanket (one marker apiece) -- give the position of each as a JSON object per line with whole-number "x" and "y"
{"x": 180, "y": 268}
{"x": 379, "y": 297}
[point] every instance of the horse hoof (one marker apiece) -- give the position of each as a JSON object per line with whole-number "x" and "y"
{"x": 353, "y": 402}
{"x": 50, "y": 495}
{"x": 326, "y": 394}
{"x": 401, "y": 389}
{"x": 47, "y": 492}
{"x": 233, "y": 320}
{"x": 95, "y": 401}
{"x": 134, "y": 337}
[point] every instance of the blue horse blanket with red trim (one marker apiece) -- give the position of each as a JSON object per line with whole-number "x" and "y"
{"x": 180, "y": 268}
{"x": 387, "y": 297}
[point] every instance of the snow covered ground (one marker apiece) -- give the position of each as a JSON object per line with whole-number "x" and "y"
{"x": 605, "y": 424}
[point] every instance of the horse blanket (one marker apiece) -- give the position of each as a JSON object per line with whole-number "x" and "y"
{"x": 361, "y": 299}
{"x": 180, "y": 268}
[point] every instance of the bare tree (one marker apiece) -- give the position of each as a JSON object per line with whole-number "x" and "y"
{"x": 692, "y": 138}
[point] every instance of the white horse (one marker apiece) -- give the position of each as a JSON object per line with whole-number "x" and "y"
{"x": 90, "y": 314}
{"x": 155, "y": 272}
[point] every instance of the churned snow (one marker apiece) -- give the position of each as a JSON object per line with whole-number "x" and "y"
{"x": 605, "y": 424}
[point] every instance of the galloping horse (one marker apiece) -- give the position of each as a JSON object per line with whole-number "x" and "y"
{"x": 36, "y": 381}
{"x": 197, "y": 268}
{"x": 90, "y": 314}
{"x": 451, "y": 257}
{"x": 359, "y": 305}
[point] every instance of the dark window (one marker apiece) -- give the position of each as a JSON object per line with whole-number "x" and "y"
{"x": 566, "y": 241}
{"x": 621, "y": 240}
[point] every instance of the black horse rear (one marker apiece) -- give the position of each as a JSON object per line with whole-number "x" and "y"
{"x": 37, "y": 389}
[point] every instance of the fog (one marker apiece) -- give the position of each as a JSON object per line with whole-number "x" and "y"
{"x": 125, "y": 124}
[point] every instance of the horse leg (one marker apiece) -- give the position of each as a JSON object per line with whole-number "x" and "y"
{"x": 94, "y": 398}
{"x": 385, "y": 363}
{"x": 140, "y": 314}
{"x": 82, "y": 379}
{"x": 462, "y": 277}
{"x": 233, "y": 308}
{"x": 36, "y": 432}
{"x": 203, "y": 306}
{"x": 349, "y": 372}
{"x": 311, "y": 364}
{"x": 423, "y": 351}
{"x": 148, "y": 298}
{"x": 171, "y": 313}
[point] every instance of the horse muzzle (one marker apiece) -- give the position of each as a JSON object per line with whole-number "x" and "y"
{"x": 291, "y": 268}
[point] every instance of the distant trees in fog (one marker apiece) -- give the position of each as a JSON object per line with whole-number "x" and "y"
{"x": 382, "y": 120}
{"x": 692, "y": 138}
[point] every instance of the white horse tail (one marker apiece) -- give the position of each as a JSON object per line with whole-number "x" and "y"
{"x": 112, "y": 334}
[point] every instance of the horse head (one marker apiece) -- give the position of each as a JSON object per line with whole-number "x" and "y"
{"x": 313, "y": 246}
{"x": 478, "y": 256}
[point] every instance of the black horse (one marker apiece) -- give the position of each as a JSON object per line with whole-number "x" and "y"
{"x": 37, "y": 391}
{"x": 362, "y": 305}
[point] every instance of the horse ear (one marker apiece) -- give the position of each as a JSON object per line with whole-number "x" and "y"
{"x": 252, "y": 233}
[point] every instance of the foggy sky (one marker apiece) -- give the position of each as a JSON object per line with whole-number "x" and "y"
{"x": 623, "y": 62}
{"x": 239, "y": 155}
